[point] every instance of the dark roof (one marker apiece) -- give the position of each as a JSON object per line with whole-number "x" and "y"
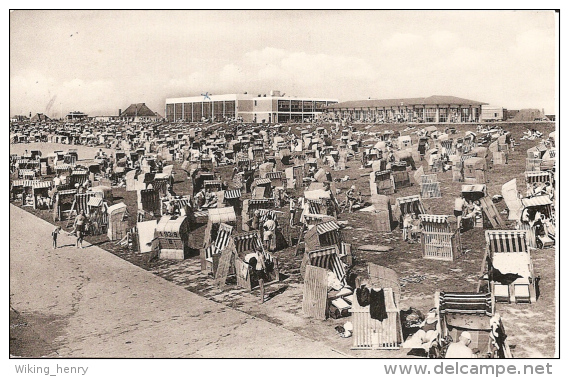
{"x": 432, "y": 100}
{"x": 39, "y": 117}
{"x": 138, "y": 110}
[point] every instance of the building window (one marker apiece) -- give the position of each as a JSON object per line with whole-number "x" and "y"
{"x": 443, "y": 114}
{"x": 419, "y": 113}
{"x": 178, "y": 112}
{"x": 430, "y": 115}
{"x": 465, "y": 115}
{"x": 319, "y": 105}
{"x": 229, "y": 109}
{"x": 218, "y": 110}
{"x": 296, "y": 106}
{"x": 307, "y": 106}
{"x": 187, "y": 111}
{"x": 197, "y": 112}
{"x": 255, "y": 102}
{"x": 284, "y": 117}
{"x": 284, "y": 106}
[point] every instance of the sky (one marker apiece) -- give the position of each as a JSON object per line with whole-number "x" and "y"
{"x": 99, "y": 62}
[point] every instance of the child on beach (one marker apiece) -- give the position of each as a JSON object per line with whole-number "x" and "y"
{"x": 54, "y": 234}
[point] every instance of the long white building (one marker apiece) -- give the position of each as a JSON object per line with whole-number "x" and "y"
{"x": 272, "y": 108}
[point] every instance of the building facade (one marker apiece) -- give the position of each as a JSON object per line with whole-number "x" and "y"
{"x": 434, "y": 109}
{"x": 272, "y": 108}
{"x": 73, "y": 116}
{"x": 493, "y": 113}
{"x": 139, "y": 113}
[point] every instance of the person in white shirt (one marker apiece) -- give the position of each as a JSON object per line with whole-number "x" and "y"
{"x": 269, "y": 228}
{"x": 460, "y": 349}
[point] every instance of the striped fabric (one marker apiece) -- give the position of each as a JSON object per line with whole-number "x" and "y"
{"x": 264, "y": 215}
{"x": 263, "y": 181}
{"x": 399, "y": 164}
{"x": 214, "y": 185}
{"x": 28, "y": 183}
{"x": 506, "y": 241}
{"x": 42, "y": 184}
{"x": 161, "y": 186}
{"x": 551, "y": 154}
{"x": 274, "y": 175}
{"x": 325, "y": 227}
{"x": 313, "y": 219}
{"x": 221, "y": 241}
{"x": 410, "y": 205}
{"x": 433, "y": 218}
{"x": 63, "y": 167}
{"x": 379, "y": 175}
{"x": 328, "y": 258}
{"x": 431, "y": 190}
{"x": 259, "y": 203}
{"x": 473, "y": 188}
{"x": 95, "y": 201}
{"x": 403, "y": 200}
{"x": 66, "y": 192}
{"x": 465, "y": 303}
{"x": 537, "y": 176}
{"x": 314, "y": 207}
{"x": 232, "y": 194}
{"x": 79, "y": 172}
{"x": 466, "y": 157}
{"x": 248, "y": 241}
{"x": 427, "y": 179}
{"x": 82, "y": 202}
{"x": 536, "y": 201}
{"x": 180, "y": 202}
{"x": 23, "y": 173}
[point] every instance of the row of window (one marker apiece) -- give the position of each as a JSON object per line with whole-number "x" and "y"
{"x": 429, "y": 114}
{"x": 302, "y": 106}
{"x": 195, "y": 111}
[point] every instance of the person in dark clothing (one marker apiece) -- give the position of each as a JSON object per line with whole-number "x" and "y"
{"x": 362, "y": 295}
{"x": 377, "y": 305}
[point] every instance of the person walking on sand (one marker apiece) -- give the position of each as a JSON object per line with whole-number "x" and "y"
{"x": 257, "y": 266}
{"x": 54, "y": 234}
{"x": 80, "y": 228}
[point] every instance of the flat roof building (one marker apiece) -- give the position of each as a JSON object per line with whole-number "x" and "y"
{"x": 433, "y": 109}
{"x": 272, "y": 108}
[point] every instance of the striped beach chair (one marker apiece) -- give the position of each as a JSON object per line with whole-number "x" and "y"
{"x": 508, "y": 252}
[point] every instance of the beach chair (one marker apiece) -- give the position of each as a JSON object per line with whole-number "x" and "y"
{"x": 507, "y": 268}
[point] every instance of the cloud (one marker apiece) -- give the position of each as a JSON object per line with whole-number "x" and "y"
{"x": 295, "y": 72}
{"x": 32, "y": 87}
{"x": 401, "y": 41}
{"x": 444, "y": 39}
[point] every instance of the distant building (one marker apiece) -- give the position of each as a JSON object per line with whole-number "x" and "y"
{"x": 105, "y": 118}
{"x": 257, "y": 109}
{"x": 529, "y": 115}
{"x": 493, "y": 113}
{"x": 550, "y": 117}
{"x": 433, "y": 109}
{"x": 510, "y": 114}
{"x": 19, "y": 118}
{"x": 72, "y": 116}
{"x": 40, "y": 117}
{"x": 139, "y": 113}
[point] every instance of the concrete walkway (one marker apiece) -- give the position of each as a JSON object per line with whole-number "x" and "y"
{"x": 99, "y": 305}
